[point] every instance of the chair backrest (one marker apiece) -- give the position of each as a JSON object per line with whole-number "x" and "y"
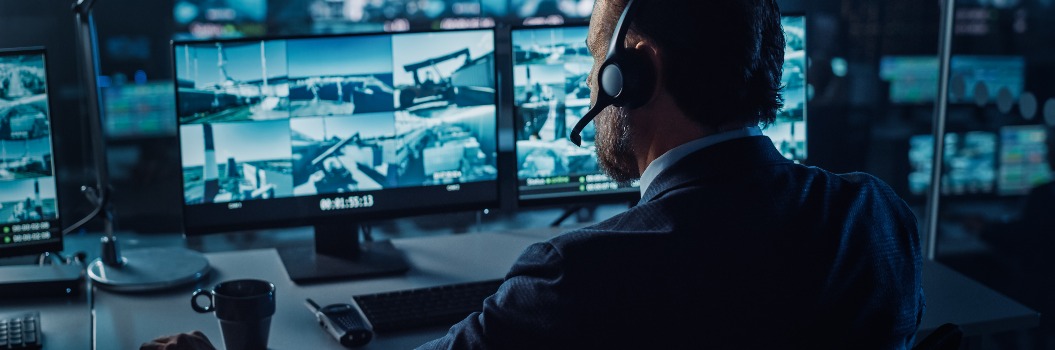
{"x": 946, "y": 337}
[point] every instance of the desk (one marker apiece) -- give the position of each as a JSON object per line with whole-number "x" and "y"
{"x": 953, "y": 297}
{"x": 65, "y": 322}
{"x": 124, "y": 321}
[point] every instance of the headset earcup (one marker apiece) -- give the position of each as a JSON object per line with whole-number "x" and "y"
{"x": 612, "y": 80}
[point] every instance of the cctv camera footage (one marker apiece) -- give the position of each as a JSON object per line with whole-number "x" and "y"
{"x": 342, "y": 114}
{"x": 27, "y": 182}
{"x": 789, "y": 130}
{"x": 968, "y": 165}
{"x": 551, "y": 94}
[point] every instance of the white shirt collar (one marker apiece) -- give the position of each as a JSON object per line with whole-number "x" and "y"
{"x": 677, "y": 153}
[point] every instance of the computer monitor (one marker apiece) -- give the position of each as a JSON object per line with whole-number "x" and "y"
{"x": 203, "y": 19}
{"x": 968, "y": 168}
{"x": 788, "y": 132}
{"x": 550, "y": 12}
{"x": 985, "y": 78}
{"x": 1023, "y": 159}
{"x": 29, "y": 214}
{"x": 356, "y": 16}
{"x": 551, "y": 94}
{"x": 139, "y": 109}
{"x": 332, "y": 130}
{"x": 914, "y": 79}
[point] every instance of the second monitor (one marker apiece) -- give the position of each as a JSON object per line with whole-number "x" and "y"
{"x": 551, "y": 93}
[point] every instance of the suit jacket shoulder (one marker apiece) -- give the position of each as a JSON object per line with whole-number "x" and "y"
{"x": 754, "y": 250}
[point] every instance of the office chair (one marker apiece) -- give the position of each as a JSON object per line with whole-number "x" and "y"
{"x": 946, "y": 337}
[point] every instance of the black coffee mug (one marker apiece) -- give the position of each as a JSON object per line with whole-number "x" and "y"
{"x": 244, "y": 308}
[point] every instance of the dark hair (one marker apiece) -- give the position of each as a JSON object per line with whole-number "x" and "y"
{"x": 723, "y": 58}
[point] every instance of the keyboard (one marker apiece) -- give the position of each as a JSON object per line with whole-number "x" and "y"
{"x": 424, "y": 307}
{"x": 20, "y": 331}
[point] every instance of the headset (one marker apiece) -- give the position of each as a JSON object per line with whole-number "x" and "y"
{"x": 625, "y": 78}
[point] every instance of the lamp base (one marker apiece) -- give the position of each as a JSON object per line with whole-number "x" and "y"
{"x": 149, "y": 269}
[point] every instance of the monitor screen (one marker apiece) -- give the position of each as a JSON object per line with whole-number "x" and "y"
{"x": 969, "y": 164}
{"x": 985, "y": 78}
{"x": 914, "y": 79}
{"x": 139, "y": 110}
{"x": 788, "y": 132}
{"x": 359, "y": 16}
{"x": 29, "y": 214}
{"x": 296, "y": 130}
{"x": 202, "y": 19}
{"x": 551, "y": 94}
{"x": 1023, "y": 159}
{"x": 550, "y": 12}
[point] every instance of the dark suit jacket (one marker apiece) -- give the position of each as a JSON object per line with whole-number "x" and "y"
{"x": 732, "y": 247}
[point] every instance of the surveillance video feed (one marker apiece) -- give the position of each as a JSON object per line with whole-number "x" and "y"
{"x": 233, "y": 162}
{"x": 551, "y": 94}
{"x": 219, "y": 18}
{"x": 1023, "y": 159}
{"x": 232, "y": 81}
{"x": 337, "y": 16}
{"x": 968, "y": 167}
{"x": 973, "y": 76}
{"x": 547, "y": 12}
{"x": 788, "y": 132}
{"x": 28, "y": 200}
{"x": 367, "y": 113}
{"x": 445, "y": 128}
{"x": 27, "y": 183}
{"x": 337, "y": 76}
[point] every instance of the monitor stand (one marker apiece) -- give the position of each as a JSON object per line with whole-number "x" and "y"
{"x": 339, "y": 255}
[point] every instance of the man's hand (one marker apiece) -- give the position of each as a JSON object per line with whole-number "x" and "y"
{"x": 184, "y": 341}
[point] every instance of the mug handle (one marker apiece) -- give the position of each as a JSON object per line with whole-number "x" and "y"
{"x": 194, "y": 301}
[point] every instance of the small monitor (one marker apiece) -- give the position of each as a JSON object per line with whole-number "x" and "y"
{"x": 981, "y": 79}
{"x": 968, "y": 168}
{"x": 972, "y": 79}
{"x": 203, "y": 19}
{"x": 788, "y": 132}
{"x": 139, "y": 109}
{"x": 29, "y": 214}
{"x": 331, "y": 130}
{"x": 912, "y": 79}
{"x": 550, "y": 95}
{"x": 383, "y": 16}
{"x": 550, "y": 12}
{"x": 1023, "y": 159}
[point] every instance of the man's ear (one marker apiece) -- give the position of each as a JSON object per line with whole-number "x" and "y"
{"x": 650, "y": 55}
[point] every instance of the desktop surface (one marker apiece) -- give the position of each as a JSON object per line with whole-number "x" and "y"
{"x": 121, "y": 323}
{"x": 434, "y": 260}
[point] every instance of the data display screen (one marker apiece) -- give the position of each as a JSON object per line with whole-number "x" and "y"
{"x": 305, "y": 127}
{"x": 29, "y": 214}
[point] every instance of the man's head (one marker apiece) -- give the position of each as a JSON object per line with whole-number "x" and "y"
{"x": 716, "y": 65}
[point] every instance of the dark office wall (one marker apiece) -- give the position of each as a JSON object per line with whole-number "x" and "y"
{"x": 51, "y": 24}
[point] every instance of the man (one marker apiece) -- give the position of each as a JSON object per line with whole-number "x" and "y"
{"x": 731, "y": 245}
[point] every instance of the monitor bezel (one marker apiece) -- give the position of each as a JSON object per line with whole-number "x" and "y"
{"x": 351, "y": 215}
{"x": 56, "y": 245}
{"x": 629, "y": 195}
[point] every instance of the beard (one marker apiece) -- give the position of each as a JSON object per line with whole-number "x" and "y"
{"x": 615, "y": 148}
